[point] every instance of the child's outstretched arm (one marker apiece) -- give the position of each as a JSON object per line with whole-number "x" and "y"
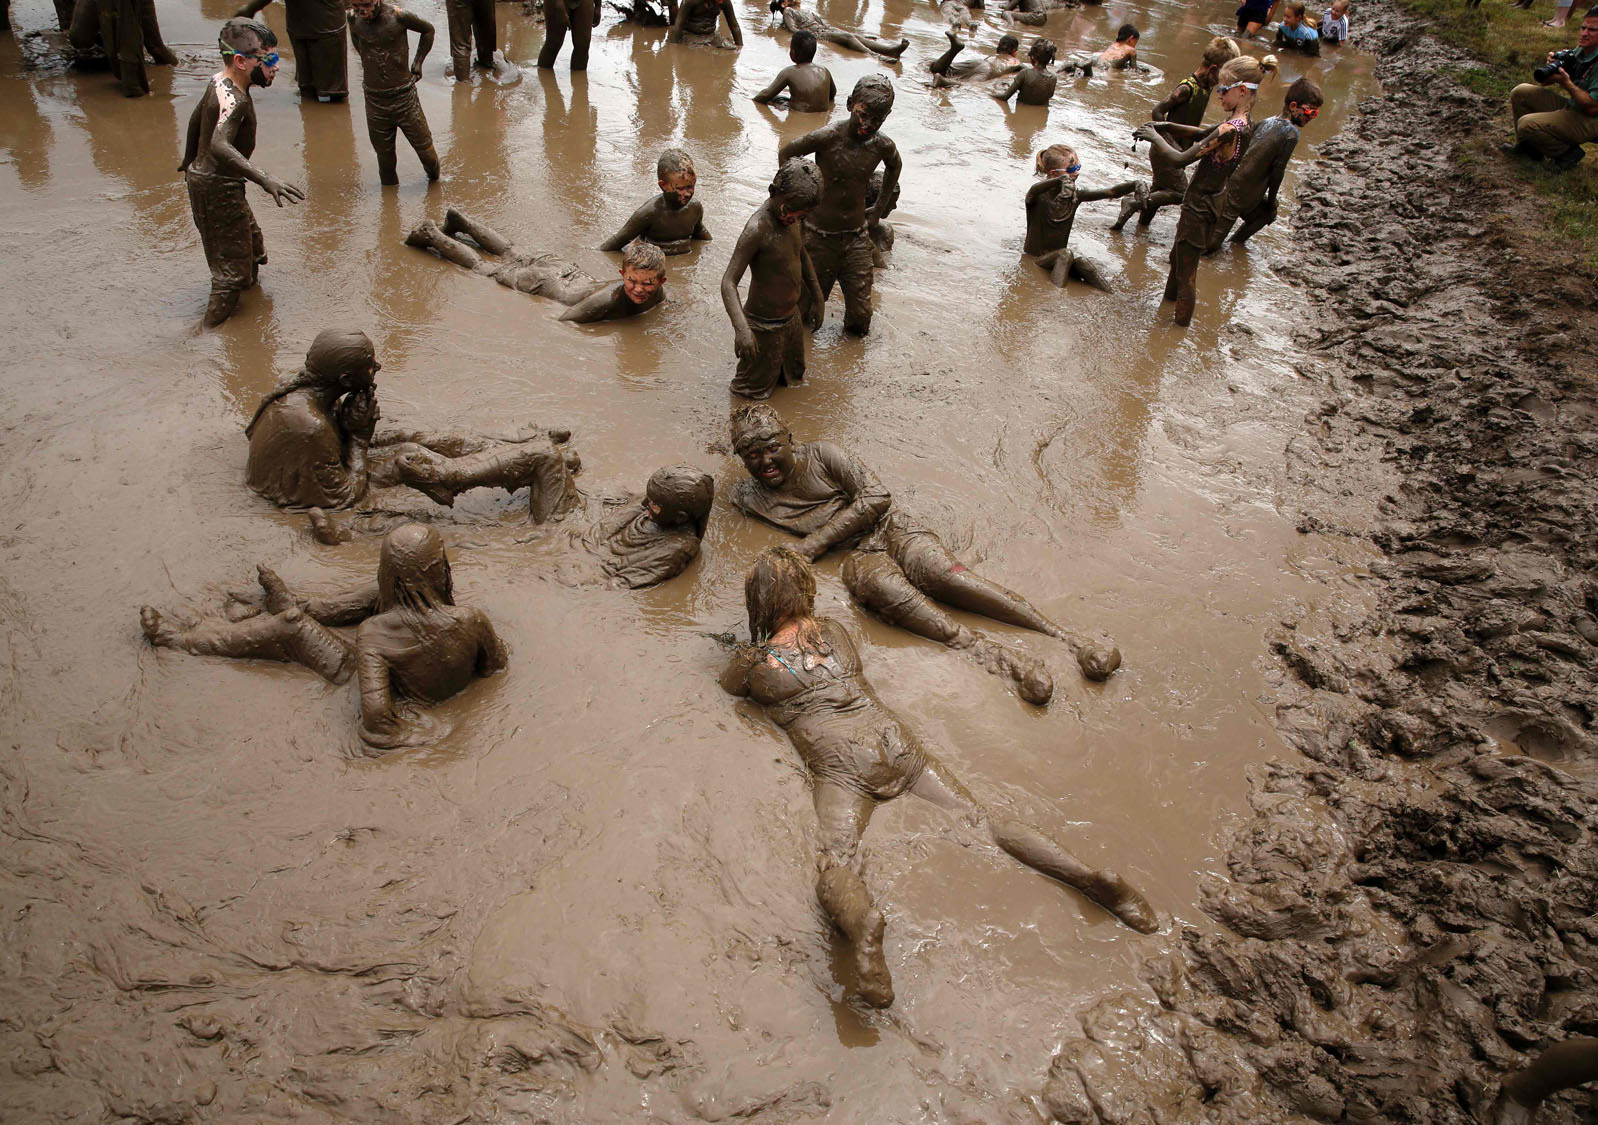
{"x": 1213, "y": 139}
{"x": 1088, "y": 195}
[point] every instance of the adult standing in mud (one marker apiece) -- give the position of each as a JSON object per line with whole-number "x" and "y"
{"x": 321, "y": 53}
{"x": 1557, "y": 114}
{"x": 893, "y": 568}
{"x": 388, "y": 79}
{"x": 808, "y": 675}
{"x": 216, "y": 162}
{"x": 312, "y": 442}
{"x": 838, "y": 232}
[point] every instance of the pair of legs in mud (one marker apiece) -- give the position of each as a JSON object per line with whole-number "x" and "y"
{"x": 848, "y": 259}
{"x": 1181, "y": 284}
{"x": 580, "y": 19}
{"x": 471, "y": 20}
{"x": 234, "y": 249}
{"x": 899, "y": 586}
{"x": 542, "y": 275}
{"x": 441, "y": 466}
{"x": 844, "y": 813}
{"x": 390, "y": 112}
{"x": 1062, "y": 265}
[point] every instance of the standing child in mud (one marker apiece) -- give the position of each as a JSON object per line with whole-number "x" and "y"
{"x": 321, "y": 53}
{"x": 1251, "y": 189}
{"x": 806, "y": 672}
{"x": 1217, "y": 152}
{"x": 579, "y": 17}
{"x": 671, "y": 220}
{"x": 388, "y": 79}
{"x": 695, "y": 25}
{"x": 123, "y": 30}
{"x": 767, "y": 336}
{"x": 809, "y": 85}
{"x": 216, "y": 162}
{"x": 1051, "y": 209}
{"x": 1036, "y": 84}
{"x": 468, "y": 20}
{"x": 838, "y": 232}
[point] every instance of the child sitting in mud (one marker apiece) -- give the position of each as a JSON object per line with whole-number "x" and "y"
{"x": 1334, "y": 24}
{"x": 1120, "y": 55}
{"x": 1051, "y": 209}
{"x": 671, "y": 220}
{"x": 1297, "y": 32}
{"x": 809, "y": 85}
{"x": 1036, "y": 84}
{"x": 587, "y": 299}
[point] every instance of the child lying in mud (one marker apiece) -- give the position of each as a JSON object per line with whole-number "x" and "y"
{"x": 796, "y": 19}
{"x": 1120, "y": 55}
{"x": 807, "y": 674}
{"x": 587, "y": 299}
{"x": 414, "y": 646}
{"x": 1051, "y": 209}
{"x": 671, "y": 220}
{"x": 949, "y": 71}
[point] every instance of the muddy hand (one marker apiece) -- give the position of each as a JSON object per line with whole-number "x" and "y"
{"x": 281, "y": 192}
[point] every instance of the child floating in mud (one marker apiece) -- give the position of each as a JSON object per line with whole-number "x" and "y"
{"x": 767, "y": 335}
{"x": 1217, "y": 152}
{"x": 646, "y": 539}
{"x": 796, "y": 19}
{"x": 414, "y": 646}
{"x": 1051, "y": 208}
{"x": 671, "y": 220}
{"x": 1334, "y": 24}
{"x": 1120, "y": 55}
{"x": 807, "y": 674}
{"x": 893, "y": 568}
{"x": 694, "y": 25}
{"x": 1297, "y": 32}
{"x": 1184, "y": 105}
{"x": 1251, "y": 189}
{"x": 947, "y": 71}
{"x": 312, "y": 442}
{"x": 1036, "y": 84}
{"x": 587, "y": 299}
{"x": 379, "y": 31}
{"x": 809, "y": 85}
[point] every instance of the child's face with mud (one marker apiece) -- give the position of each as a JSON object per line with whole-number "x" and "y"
{"x": 641, "y": 285}
{"x": 866, "y": 118}
{"x": 678, "y": 188}
{"x": 769, "y": 457}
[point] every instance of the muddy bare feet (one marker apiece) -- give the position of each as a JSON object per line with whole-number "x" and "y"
{"x": 278, "y": 597}
{"x": 425, "y": 234}
{"x": 1098, "y": 662}
{"x": 876, "y": 986}
{"x": 1130, "y": 205}
{"x": 325, "y": 529}
{"x": 156, "y": 630}
{"x": 1032, "y": 680}
{"x": 1120, "y": 898}
{"x": 896, "y": 51}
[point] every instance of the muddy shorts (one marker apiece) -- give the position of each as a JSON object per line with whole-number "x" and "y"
{"x": 547, "y": 275}
{"x": 1200, "y": 218}
{"x": 321, "y": 64}
{"x": 844, "y": 257}
{"x": 388, "y": 111}
{"x": 232, "y": 241}
{"x": 779, "y": 359}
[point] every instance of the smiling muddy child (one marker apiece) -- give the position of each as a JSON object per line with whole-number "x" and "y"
{"x": 1051, "y": 209}
{"x": 671, "y": 220}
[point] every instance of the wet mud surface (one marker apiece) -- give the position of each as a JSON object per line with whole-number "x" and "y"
{"x": 593, "y": 900}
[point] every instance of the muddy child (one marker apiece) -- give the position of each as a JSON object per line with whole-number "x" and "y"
{"x": 538, "y": 274}
{"x": 1297, "y": 30}
{"x": 671, "y": 220}
{"x": 216, "y": 163}
{"x": 1334, "y": 24}
{"x": 471, "y": 20}
{"x": 796, "y": 19}
{"x": 1216, "y": 151}
{"x": 1036, "y": 84}
{"x": 321, "y": 54}
{"x": 380, "y": 31}
{"x": 1251, "y": 189}
{"x": 1032, "y": 13}
{"x": 767, "y": 335}
{"x": 809, "y": 85}
{"x": 1051, "y": 209}
{"x": 1120, "y": 55}
{"x": 947, "y": 70}
{"x": 695, "y": 25}
{"x": 579, "y": 17}
{"x": 838, "y": 231}
{"x": 1253, "y": 15}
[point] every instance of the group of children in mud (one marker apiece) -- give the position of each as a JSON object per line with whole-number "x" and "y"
{"x": 314, "y": 444}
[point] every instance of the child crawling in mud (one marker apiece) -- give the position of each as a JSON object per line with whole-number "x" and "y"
{"x": 1051, "y": 209}
{"x": 587, "y": 299}
{"x": 1120, "y": 55}
{"x": 671, "y": 220}
{"x": 807, "y": 673}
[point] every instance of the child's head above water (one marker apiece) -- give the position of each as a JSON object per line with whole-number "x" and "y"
{"x": 1008, "y": 45}
{"x": 1058, "y": 160}
{"x": 1237, "y": 83}
{"x": 643, "y": 270}
{"x": 1041, "y": 53}
{"x": 1302, "y": 102}
{"x": 1128, "y": 34}
{"x": 675, "y": 173}
{"x": 803, "y": 47}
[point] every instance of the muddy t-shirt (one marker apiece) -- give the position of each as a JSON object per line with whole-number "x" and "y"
{"x": 827, "y": 481}
{"x": 631, "y": 548}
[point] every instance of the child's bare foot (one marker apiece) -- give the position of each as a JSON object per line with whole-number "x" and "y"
{"x": 156, "y": 630}
{"x": 871, "y": 966}
{"x": 1130, "y": 205}
{"x": 278, "y": 597}
{"x": 325, "y": 529}
{"x": 1126, "y": 903}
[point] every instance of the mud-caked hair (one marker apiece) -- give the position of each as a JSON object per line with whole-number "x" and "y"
{"x": 755, "y": 420}
{"x": 673, "y": 162}
{"x": 803, "y": 47}
{"x": 240, "y": 36}
{"x": 874, "y": 91}
{"x": 1008, "y": 45}
{"x": 645, "y": 257}
{"x": 780, "y": 587}
{"x": 1055, "y": 156}
{"x": 686, "y": 490}
{"x": 1042, "y": 52}
{"x": 798, "y": 182}
{"x": 334, "y": 353}
{"x": 413, "y": 576}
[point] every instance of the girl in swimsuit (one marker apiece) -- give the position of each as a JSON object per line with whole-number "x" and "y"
{"x": 806, "y": 672}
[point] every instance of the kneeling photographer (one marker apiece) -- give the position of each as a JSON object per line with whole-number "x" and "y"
{"x": 1558, "y": 112}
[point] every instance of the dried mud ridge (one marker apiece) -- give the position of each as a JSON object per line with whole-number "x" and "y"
{"x": 1413, "y": 902}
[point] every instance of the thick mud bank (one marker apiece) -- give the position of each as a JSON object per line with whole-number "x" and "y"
{"x": 1413, "y": 901}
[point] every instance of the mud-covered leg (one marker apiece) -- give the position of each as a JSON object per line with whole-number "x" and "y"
{"x": 290, "y": 636}
{"x": 1184, "y": 279}
{"x": 856, "y": 277}
{"x": 583, "y": 18}
{"x": 555, "y": 18}
{"x": 1567, "y": 1064}
{"x": 414, "y": 125}
{"x": 1089, "y": 272}
{"x": 154, "y": 45}
{"x": 1057, "y": 264}
{"x": 887, "y": 48}
{"x": 381, "y": 132}
{"x": 1222, "y": 229}
{"x": 1152, "y": 205}
{"x": 459, "y": 222}
{"x": 425, "y": 235}
{"x": 843, "y": 815}
{"x": 940, "y": 65}
{"x": 536, "y": 466}
{"x": 1254, "y": 222}
{"x": 1037, "y": 850}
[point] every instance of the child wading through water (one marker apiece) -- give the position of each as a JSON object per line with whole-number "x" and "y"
{"x": 1050, "y": 210}
{"x": 809, "y": 85}
{"x": 1251, "y": 189}
{"x": 1296, "y": 31}
{"x": 1216, "y": 151}
{"x": 671, "y": 220}
{"x": 1184, "y": 105}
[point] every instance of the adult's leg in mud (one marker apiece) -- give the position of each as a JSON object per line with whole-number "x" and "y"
{"x": 291, "y": 636}
{"x": 425, "y": 235}
{"x": 1181, "y": 285}
{"x": 1037, "y": 850}
{"x": 1567, "y": 1064}
{"x": 875, "y": 581}
{"x": 485, "y": 32}
{"x": 459, "y": 14}
{"x": 843, "y": 815}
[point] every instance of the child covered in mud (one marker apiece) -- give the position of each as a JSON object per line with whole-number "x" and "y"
{"x": 1334, "y": 24}
{"x": 695, "y": 21}
{"x": 414, "y": 646}
{"x": 796, "y": 19}
{"x": 768, "y": 337}
{"x": 587, "y": 299}
{"x": 1251, "y": 189}
{"x": 809, "y": 85}
{"x": 1297, "y": 31}
{"x": 1036, "y": 84}
{"x": 1216, "y": 151}
{"x": 1051, "y": 209}
{"x": 1032, "y": 13}
{"x": 947, "y": 70}
{"x": 380, "y": 32}
{"x": 644, "y": 540}
{"x": 671, "y": 220}
{"x": 1120, "y": 55}
{"x": 807, "y": 674}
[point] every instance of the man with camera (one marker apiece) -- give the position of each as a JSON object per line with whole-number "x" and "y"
{"x": 1558, "y": 112}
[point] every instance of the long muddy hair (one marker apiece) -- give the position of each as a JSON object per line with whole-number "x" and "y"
{"x": 780, "y": 587}
{"x": 334, "y": 352}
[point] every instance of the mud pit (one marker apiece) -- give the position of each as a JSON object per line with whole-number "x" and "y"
{"x": 593, "y": 902}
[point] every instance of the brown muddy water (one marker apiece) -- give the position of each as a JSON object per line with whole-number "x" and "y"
{"x": 594, "y": 901}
